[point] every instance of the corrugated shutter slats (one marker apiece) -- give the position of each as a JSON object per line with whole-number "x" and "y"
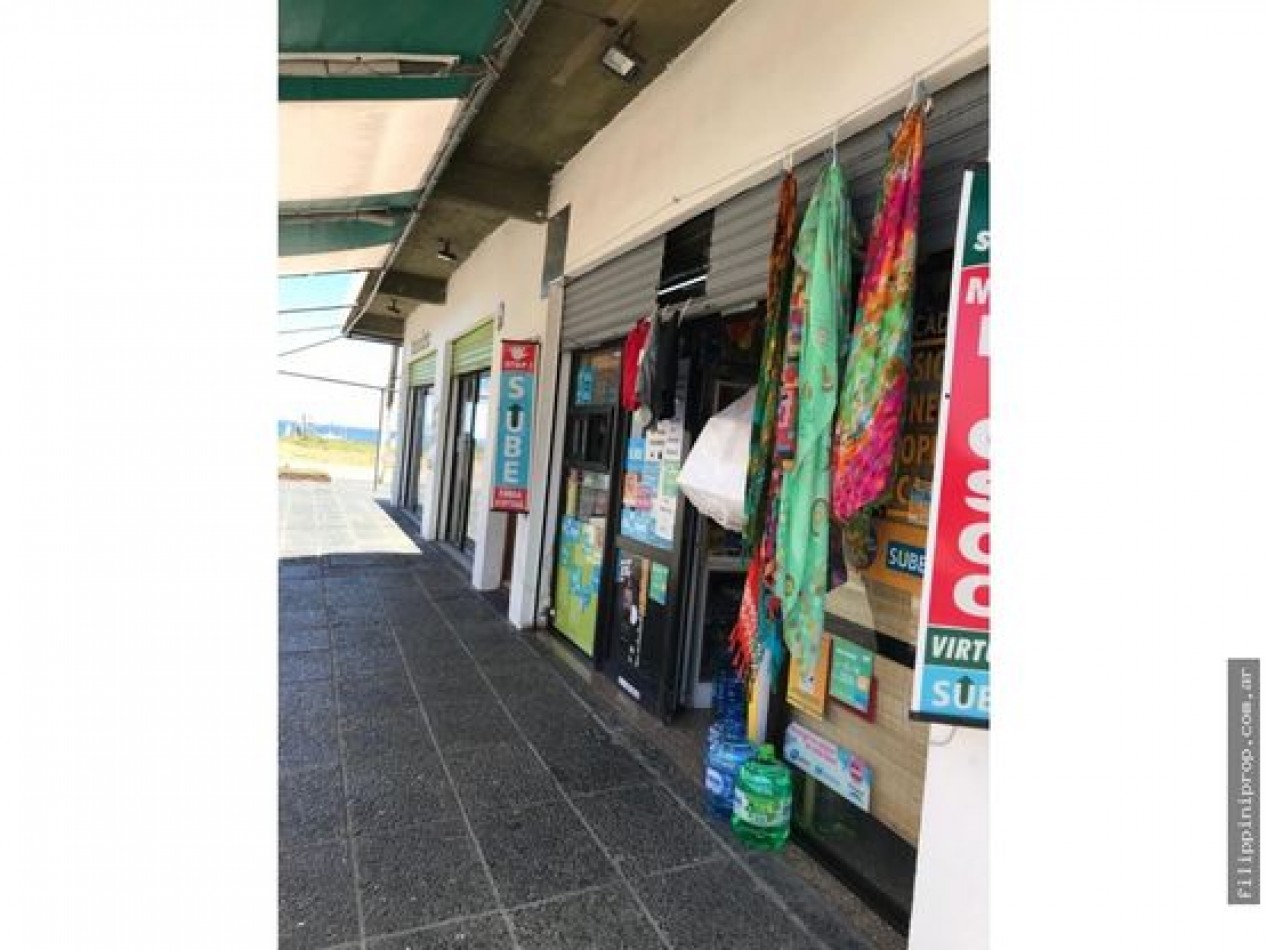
{"x": 422, "y": 371}
{"x": 605, "y": 302}
{"x": 473, "y": 350}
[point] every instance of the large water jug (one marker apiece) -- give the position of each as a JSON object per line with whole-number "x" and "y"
{"x": 762, "y": 812}
{"x": 728, "y": 750}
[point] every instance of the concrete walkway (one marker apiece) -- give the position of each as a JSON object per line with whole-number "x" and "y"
{"x": 446, "y": 782}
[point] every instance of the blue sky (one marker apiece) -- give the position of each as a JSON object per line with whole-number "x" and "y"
{"x": 352, "y": 360}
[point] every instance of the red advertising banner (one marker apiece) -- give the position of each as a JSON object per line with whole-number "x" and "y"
{"x": 952, "y": 673}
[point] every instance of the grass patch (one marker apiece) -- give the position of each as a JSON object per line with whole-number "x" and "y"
{"x": 299, "y": 452}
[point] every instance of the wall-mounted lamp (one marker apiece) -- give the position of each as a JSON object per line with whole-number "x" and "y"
{"x": 620, "y": 58}
{"x": 446, "y": 252}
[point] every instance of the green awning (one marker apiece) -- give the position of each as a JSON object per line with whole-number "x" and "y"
{"x": 465, "y": 28}
{"x": 365, "y": 111}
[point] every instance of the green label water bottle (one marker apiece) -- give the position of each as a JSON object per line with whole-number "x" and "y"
{"x": 762, "y": 815}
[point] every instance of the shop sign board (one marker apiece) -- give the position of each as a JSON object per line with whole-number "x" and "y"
{"x": 952, "y": 667}
{"x": 512, "y": 458}
{"x": 833, "y": 765}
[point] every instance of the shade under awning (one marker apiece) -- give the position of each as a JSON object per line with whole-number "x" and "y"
{"x": 351, "y": 149}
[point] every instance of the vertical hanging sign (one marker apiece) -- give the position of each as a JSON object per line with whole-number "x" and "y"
{"x": 515, "y": 401}
{"x": 952, "y": 664}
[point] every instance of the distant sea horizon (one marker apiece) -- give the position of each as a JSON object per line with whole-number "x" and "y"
{"x": 328, "y": 430}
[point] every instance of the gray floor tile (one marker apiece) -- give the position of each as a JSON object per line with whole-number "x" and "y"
{"x": 317, "y": 903}
{"x": 501, "y": 775}
{"x": 295, "y": 639}
{"x": 466, "y": 723}
{"x": 605, "y": 919}
{"x": 464, "y": 609}
{"x": 865, "y": 931}
{"x": 645, "y": 830}
{"x": 304, "y": 667}
{"x": 308, "y": 616}
{"x": 717, "y": 905}
{"x": 307, "y": 742}
{"x": 367, "y": 695}
{"x": 417, "y": 876}
{"x": 482, "y": 933}
{"x": 310, "y": 806}
{"x": 399, "y": 732}
{"x": 539, "y": 851}
{"x": 304, "y": 700}
{"x": 398, "y": 791}
{"x": 592, "y": 766}
{"x": 368, "y": 660}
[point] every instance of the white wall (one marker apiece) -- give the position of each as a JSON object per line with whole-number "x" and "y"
{"x": 501, "y": 276}
{"x": 951, "y": 906}
{"x": 762, "y": 78}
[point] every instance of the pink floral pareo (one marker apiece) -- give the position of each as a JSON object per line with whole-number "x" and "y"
{"x": 869, "y": 414}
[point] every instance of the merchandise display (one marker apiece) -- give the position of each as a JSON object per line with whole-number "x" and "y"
{"x": 762, "y": 816}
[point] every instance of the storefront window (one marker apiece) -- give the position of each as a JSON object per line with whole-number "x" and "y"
{"x": 649, "y": 496}
{"x": 586, "y": 489}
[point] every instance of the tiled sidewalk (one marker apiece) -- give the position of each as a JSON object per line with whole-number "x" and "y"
{"x": 446, "y": 783}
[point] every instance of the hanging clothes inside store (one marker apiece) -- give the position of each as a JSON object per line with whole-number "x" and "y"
{"x": 631, "y": 356}
{"x": 657, "y": 370}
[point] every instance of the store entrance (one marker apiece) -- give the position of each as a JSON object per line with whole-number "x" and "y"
{"x": 675, "y": 577}
{"x": 469, "y": 459}
{"x": 418, "y": 470}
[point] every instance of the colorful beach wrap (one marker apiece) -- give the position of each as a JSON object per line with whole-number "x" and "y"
{"x": 872, "y": 396}
{"x": 822, "y": 272}
{"x": 757, "y": 628}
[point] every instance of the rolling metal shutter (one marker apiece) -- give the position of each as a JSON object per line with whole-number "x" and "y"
{"x": 473, "y": 350}
{"x": 957, "y": 135}
{"x": 422, "y": 371}
{"x": 607, "y": 301}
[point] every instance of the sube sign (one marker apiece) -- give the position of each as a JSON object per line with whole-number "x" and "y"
{"x": 517, "y": 394}
{"x": 952, "y": 666}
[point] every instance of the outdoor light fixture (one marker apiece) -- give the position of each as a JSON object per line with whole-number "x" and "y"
{"x": 620, "y": 58}
{"x": 366, "y": 64}
{"x": 446, "y": 252}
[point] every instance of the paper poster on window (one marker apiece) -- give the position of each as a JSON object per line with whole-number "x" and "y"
{"x": 835, "y": 766}
{"x": 852, "y": 676}
{"x": 659, "y": 588}
{"x": 807, "y": 689}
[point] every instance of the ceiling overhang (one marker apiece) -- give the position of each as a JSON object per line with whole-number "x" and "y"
{"x": 551, "y": 99}
{"x": 372, "y": 98}
{"x": 406, "y": 125}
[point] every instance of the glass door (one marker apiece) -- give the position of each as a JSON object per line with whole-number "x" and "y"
{"x": 470, "y": 460}
{"x": 422, "y": 445}
{"x": 587, "y": 474}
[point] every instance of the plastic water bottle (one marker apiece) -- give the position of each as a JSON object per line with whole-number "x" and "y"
{"x": 762, "y": 814}
{"x": 728, "y": 750}
{"x": 728, "y": 747}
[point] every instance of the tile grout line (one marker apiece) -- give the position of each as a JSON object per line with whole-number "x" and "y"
{"x": 762, "y": 886}
{"x": 448, "y": 775}
{"x": 620, "y": 873}
{"x": 486, "y": 914}
{"x": 343, "y": 782}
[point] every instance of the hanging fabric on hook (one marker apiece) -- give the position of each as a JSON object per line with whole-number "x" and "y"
{"x": 873, "y": 394}
{"x": 821, "y": 293}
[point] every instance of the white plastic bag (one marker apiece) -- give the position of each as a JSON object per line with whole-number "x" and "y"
{"x": 715, "y": 473}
